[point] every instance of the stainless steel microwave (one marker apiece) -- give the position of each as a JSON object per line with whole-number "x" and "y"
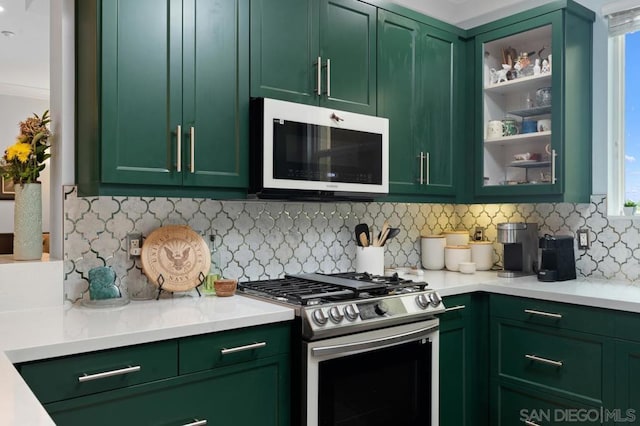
{"x": 303, "y": 151}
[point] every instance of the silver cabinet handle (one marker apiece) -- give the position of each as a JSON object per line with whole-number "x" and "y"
{"x": 554, "y": 154}
{"x": 192, "y": 135}
{"x": 328, "y": 78}
{"x": 319, "y": 76}
{"x": 428, "y": 167}
{"x": 196, "y": 422}
{"x": 421, "y": 157}
{"x": 544, "y": 360}
{"x": 179, "y": 149}
{"x": 225, "y": 351}
{"x": 542, "y": 314}
{"x": 530, "y": 423}
{"x": 104, "y": 375}
{"x": 455, "y": 308}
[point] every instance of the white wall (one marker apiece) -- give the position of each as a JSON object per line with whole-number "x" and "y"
{"x": 14, "y": 109}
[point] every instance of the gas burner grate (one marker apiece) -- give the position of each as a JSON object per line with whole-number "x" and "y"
{"x": 308, "y": 291}
{"x": 296, "y": 290}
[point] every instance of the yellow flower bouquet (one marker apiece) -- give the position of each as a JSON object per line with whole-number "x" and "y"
{"x": 23, "y": 161}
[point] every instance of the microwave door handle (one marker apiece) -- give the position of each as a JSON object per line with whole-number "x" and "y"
{"x": 348, "y": 348}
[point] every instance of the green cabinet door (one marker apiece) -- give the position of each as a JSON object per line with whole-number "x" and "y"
{"x": 628, "y": 381}
{"x": 398, "y": 44}
{"x": 163, "y": 97}
{"x": 317, "y": 52}
{"x": 215, "y": 93}
{"x": 348, "y": 47}
{"x": 141, "y": 91}
{"x": 284, "y": 50}
{"x": 416, "y": 93}
{"x": 463, "y": 349}
{"x": 248, "y": 394}
{"x": 436, "y": 132}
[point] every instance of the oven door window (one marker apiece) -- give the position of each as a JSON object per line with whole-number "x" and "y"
{"x": 325, "y": 154}
{"x": 390, "y": 386}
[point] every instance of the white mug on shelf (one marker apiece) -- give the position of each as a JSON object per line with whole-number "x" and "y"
{"x": 494, "y": 129}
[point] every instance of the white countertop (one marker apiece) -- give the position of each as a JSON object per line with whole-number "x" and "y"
{"x": 609, "y": 294}
{"x": 28, "y": 335}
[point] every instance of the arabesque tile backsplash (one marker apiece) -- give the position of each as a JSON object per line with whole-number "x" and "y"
{"x": 260, "y": 239}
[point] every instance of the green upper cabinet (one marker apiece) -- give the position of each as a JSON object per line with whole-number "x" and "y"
{"x": 317, "y": 52}
{"x": 162, "y": 94}
{"x": 416, "y": 92}
{"x": 551, "y": 160}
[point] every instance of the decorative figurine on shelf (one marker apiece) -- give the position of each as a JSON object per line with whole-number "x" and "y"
{"x": 536, "y": 67}
{"x": 499, "y": 76}
{"x": 546, "y": 68}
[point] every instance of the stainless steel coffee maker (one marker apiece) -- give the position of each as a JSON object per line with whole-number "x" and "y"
{"x": 520, "y": 242}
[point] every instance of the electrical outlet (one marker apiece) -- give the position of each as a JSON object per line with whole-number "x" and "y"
{"x": 134, "y": 245}
{"x": 583, "y": 239}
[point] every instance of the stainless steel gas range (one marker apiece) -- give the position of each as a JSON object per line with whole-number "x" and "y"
{"x": 366, "y": 351}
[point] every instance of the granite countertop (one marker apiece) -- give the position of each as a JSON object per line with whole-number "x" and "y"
{"x": 27, "y": 335}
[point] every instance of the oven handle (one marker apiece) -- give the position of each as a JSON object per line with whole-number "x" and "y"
{"x": 374, "y": 343}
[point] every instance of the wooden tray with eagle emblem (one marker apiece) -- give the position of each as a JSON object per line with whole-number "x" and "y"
{"x": 175, "y": 257}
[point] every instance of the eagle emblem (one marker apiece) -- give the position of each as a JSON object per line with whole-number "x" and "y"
{"x": 179, "y": 259}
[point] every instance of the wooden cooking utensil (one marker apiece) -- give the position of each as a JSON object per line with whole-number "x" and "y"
{"x": 364, "y": 241}
{"x": 360, "y": 228}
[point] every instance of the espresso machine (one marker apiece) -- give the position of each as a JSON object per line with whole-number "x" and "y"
{"x": 520, "y": 242}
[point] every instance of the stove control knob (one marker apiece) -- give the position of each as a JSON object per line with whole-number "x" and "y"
{"x": 423, "y": 301}
{"x": 319, "y": 317}
{"x": 435, "y": 299}
{"x": 351, "y": 312}
{"x": 381, "y": 308}
{"x": 335, "y": 314}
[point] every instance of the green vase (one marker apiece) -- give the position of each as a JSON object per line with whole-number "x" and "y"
{"x": 27, "y": 222}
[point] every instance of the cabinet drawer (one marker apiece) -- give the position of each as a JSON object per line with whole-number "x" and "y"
{"x": 553, "y": 314}
{"x": 207, "y": 351}
{"x": 565, "y": 362}
{"x": 77, "y": 375}
{"x": 520, "y": 406}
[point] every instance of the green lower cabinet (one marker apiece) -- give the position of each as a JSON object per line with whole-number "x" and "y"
{"x": 627, "y": 404}
{"x": 249, "y": 394}
{"x": 516, "y": 405}
{"x": 462, "y": 349}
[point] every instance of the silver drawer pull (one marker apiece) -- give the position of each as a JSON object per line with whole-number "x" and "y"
{"x": 455, "y": 308}
{"x": 196, "y": 422}
{"x": 104, "y": 375}
{"x": 544, "y": 360}
{"x": 542, "y": 314}
{"x": 530, "y": 423}
{"x": 252, "y": 346}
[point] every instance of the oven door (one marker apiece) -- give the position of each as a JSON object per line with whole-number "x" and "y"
{"x": 381, "y": 377}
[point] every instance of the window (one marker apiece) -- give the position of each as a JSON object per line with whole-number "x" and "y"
{"x": 624, "y": 108}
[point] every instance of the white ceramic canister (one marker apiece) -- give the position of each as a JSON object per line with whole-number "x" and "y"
{"x": 432, "y": 250}
{"x": 456, "y": 238}
{"x": 453, "y": 255}
{"x": 482, "y": 254}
